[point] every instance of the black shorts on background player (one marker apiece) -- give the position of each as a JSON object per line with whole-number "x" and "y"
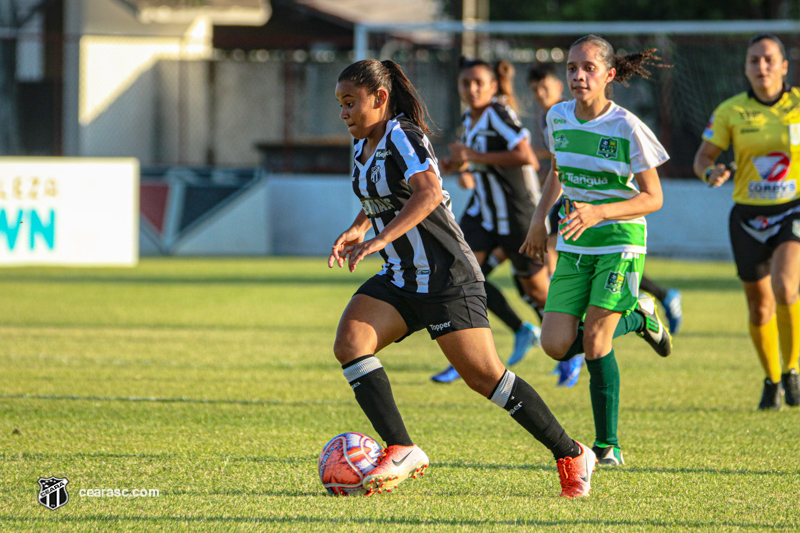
{"x": 479, "y": 238}
{"x": 554, "y": 215}
{"x": 756, "y": 231}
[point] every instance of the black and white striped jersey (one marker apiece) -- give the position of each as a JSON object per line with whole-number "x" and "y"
{"x": 504, "y": 197}
{"x": 433, "y": 255}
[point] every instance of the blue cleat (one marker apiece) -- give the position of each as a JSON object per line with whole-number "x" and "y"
{"x": 448, "y": 375}
{"x": 526, "y": 338}
{"x": 673, "y": 310}
{"x": 569, "y": 371}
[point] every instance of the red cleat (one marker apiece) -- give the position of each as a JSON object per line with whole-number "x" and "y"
{"x": 576, "y": 473}
{"x": 397, "y": 464}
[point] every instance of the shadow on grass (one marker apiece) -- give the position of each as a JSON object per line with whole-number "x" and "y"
{"x": 344, "y": 403}
{"x": 394, "y": 520}
{"x": 169, "y": 400}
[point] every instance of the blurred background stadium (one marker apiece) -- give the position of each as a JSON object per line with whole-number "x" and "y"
{"x": 228, "y": 104}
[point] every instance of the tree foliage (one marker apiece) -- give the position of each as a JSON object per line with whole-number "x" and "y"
{"x": 599, "y": 10}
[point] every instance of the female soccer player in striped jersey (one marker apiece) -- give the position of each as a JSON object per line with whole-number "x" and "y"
{"x": 496, "y": 149}
{"x": 763, "y": 124}
{"x": 604, "y": 159}
{"x": 430, "y": 280}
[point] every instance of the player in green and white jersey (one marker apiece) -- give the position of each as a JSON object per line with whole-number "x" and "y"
{"x": 604, "y": 160}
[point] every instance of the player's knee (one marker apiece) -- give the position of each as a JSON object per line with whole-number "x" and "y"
{"x": 483, "y": 383}
{"x": 554, "y": 345}
{"x": 595, "y": 346}
{"x": 785, "y": 292}
{"x": 761, "y": 311}
{"x": 344, "y": 350}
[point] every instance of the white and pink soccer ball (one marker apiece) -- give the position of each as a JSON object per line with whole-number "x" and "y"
{"x": 345, "y": 461}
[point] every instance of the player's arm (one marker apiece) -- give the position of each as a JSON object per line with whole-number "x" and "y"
{"x": 583, "y": 216}
{"x": 426, "y": 196}
{"x": 466, "y": 180}
{"x": 520, "y": 154}
{"x": 535, "y": 244}
{"x": 349, "y": 237}
{"x": 541, "y": 153}
{"x": 705, "y": 166}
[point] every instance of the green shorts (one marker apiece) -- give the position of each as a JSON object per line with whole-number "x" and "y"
{"x": 610, "y": 281}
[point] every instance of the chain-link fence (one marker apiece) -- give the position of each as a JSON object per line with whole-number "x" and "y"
{"x": 167, "y": 103}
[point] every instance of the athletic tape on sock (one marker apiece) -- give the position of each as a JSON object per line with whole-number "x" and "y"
{"x": 362, "y": 368}
{"x": 503, "y": 390}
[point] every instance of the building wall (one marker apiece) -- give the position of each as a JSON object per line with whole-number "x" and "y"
{"x": 303, "y": 214}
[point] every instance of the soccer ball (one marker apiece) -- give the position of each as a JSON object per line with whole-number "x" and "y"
{"x": 344, "y": 462}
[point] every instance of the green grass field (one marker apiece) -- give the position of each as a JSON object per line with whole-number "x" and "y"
{"x": 214, "y": 382}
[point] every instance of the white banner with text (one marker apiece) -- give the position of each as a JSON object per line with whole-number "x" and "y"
{"x": 69, "y": 211}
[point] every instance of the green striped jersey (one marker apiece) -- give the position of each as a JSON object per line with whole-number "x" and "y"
{"x": 596, "y": 164}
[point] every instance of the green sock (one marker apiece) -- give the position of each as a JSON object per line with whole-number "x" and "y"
{"x": 630, "y": 323}
{"x": 604, "y": 390}
{"x": 633, "y": 322}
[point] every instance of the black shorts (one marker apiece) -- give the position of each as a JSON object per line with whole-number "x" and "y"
{"x": 454, "y": 309}
{"x": 756, "y": 231}
{"x": 482, "y": 240}
{"x": 553, "y": 216}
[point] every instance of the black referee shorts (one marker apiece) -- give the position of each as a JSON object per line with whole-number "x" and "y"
{"x": 454, "y": 309}
{"x": 756, "y": 231}
{"x": 480, "y": 239}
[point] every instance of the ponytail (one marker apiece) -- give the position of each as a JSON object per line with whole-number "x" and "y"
{"x": 403, "y": 96}
{"x": 503, "y": 73}
{"x": 627, "y": 66}
{"x": 636, "y": 64}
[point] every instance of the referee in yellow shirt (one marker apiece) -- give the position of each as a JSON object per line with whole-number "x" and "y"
{"x": 763, "y": 124}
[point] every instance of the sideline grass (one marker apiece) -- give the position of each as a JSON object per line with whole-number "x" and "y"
{"x": 213, "y": 381}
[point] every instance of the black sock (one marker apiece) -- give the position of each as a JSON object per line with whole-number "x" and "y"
{"x": 528, "y": 409}
{"x": 653, "y": 288}
{"x": 488, "y": 265}
{"x": 497, "y": 304}
{"x": 527, "y": 299}
{"x": 373, "y": 393}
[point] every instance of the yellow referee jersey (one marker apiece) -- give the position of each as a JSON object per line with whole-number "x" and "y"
{"x": 766, "y": 143}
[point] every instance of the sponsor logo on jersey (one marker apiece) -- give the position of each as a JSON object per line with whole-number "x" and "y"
{"x": 772, "y": 167}
{"x": 375, "y": 174}
{"x": 608, "y": 147}
{"x": 579, "y": 179}
{"x": 794, "y": 134}
{"x": 423, "y": 271}
{"x": 382, "y": 154}
{"x": 708, "y": 133}
{"x": 559, "y": 121}
{"x": 615, "y": 282}
{"x": 750, "y": 115}
{"x": 439, "y": 327}
{"x": 375, "y": 206}
{"x": 561, "y": 141}
{"x": 762, "y": 190}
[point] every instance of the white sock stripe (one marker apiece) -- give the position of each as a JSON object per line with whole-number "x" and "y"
{"x": 503, "y": 391}
{"x": 362, "y": 368}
